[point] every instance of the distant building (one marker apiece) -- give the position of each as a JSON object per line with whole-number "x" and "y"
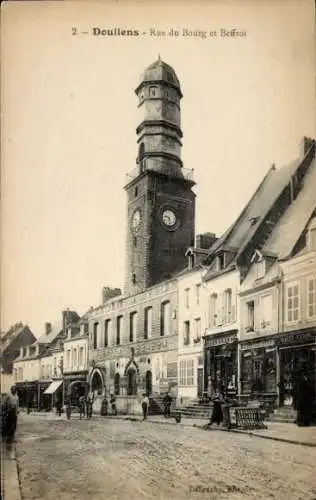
{"x": 38, "y": 370}
{"x": 17, "y": 337}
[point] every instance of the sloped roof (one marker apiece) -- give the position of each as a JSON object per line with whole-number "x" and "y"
{"x": 250, "y": 219}
{"x": 160, "y": 71}
{"x": 289, "y": 228}
{"x": 10, "y": 335}
{"x": 47, "y": 339}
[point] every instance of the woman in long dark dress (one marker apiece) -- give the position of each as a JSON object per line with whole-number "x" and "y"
{"x": 304, "y": 393}
{"x": 217, "y": 413}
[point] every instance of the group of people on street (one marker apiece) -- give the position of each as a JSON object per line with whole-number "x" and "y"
{"x": 9, "y": 416}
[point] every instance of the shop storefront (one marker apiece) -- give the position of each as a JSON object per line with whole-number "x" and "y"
{"x": 297, "y": 355}
{"x": 258, "y": 370}
{"x": 220, "y": 363}
{"x": 75, "y": 385}
{"x": 28, "y": 394}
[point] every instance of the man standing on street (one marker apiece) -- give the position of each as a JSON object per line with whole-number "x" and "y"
{"x": 145, "y": 406}
{"x": 10, "y": 410}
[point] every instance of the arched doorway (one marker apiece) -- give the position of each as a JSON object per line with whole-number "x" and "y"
{"x": 117, "y": 383}
{"x": 149, "y": 382}
{"x": 131, "y": 381}
{"x": 96, "y": 383}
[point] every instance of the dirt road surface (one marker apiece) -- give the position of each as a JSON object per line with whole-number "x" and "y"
{"x": 116, "y": 459}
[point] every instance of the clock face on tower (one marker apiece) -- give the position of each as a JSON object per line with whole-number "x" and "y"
{"x": 136, "y": 220}
{"x": 170, "y": 219}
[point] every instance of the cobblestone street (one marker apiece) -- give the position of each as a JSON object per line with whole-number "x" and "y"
{"x": 119, "y": 459}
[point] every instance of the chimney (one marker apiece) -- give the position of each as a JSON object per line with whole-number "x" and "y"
{"x": 108, "y": 293}
{"x": 205, "y": 240}
{"x": 48, "y": 328}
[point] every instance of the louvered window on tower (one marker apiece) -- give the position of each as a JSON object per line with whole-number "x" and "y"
{"x": 134, "y": 278}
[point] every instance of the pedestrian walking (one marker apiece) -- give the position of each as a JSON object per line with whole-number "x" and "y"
{"x": 145, "y": 405}
{"x": 104, "y": 407}
{"x": 82, "y": 405}
{"x": 167, "y": 405}
{"x": 113, "y": 404}
{"x": 59, "y": 407}
{"x": 68, "y": 408}
{"x": 9, "y": 411}
{"x": 89, "y": 405}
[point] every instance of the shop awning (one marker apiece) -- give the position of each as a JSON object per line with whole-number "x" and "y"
{"x": 53, "y": 387}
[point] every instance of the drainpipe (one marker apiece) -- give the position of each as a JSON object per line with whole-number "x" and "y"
{"x": 277, "y": 352}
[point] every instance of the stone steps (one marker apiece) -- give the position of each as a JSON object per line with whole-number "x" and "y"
{"x": 283, "y": 415}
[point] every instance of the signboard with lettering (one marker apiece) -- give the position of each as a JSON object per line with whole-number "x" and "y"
{"x": 221, "y": 340}
{"x": 296, "y": 338}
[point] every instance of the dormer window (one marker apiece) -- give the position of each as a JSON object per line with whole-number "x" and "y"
{"x": 312, "y": 239}
{"x": 260, "y": 268}
{"x": 220, "y": 262}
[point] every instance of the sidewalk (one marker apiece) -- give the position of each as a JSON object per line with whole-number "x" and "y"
{"x": 275, "y": 431}
{"x": 10, "y": 488}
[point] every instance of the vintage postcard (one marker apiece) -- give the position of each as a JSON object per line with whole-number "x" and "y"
{"x": 158, "y": 250}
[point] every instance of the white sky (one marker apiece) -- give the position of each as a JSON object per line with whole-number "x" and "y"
{"x": 69, "y": 118}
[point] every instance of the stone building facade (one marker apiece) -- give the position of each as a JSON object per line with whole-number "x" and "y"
{"x": 133, "y": 345}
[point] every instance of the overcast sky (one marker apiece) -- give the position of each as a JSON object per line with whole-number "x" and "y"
{"x": 69, "y": 119}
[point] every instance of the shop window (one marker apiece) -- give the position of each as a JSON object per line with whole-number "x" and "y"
{"x": 148, "y": 322}
{"x": 311, "y": 298}
{"x": 186, "y": 333}
{"x": 293, "y": 303}
{"x": 107, "y": 324}
{"x": 132, "y": 326}
{"x": 250, "y": 311}
{"x": 165, "y": 316}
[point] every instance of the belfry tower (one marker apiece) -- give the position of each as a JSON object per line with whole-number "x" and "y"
{"x": 161, "y": 203}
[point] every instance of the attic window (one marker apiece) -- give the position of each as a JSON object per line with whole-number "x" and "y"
{"x": 312, "y": 239}
{"x": 220, "y": 262}
{"x": 191, "y": 260}
{"x": 260, "y": 268}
